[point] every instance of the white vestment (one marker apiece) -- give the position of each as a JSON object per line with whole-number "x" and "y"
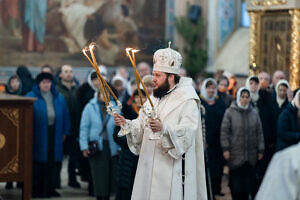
{"x": 159, "y": 170}
{"x": 282, "y": 179}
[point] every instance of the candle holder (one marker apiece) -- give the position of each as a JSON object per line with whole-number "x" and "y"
{"x": 151, "y": 113}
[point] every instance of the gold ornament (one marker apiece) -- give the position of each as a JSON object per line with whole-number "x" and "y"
{"x": 268, "y": 3}
{"x": 2, "y": 141}
{"x": 295, "y": 49}
{"x": 253, "y": 42}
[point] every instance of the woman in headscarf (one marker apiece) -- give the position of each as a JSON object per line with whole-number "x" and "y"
{"x": 214, "y": 111}
{"x": 252, "y": 84}
{"x": 261, "y": 101}
{"x": 288, "y": 126}
{"x": 278, "y": 104}
{"x": 97, "y": 144}
{"x": 242, "y": 143}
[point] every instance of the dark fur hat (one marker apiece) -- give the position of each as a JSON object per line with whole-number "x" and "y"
{"x": 43, "y": 75}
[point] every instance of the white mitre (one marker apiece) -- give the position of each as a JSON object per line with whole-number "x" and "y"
{"x": 167, "y": 60}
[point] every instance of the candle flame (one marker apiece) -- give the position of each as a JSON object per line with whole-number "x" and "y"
{"x": 134, "y": 50}
{"x": 91, "y": 46}
{"x": 84, "y": 51}
{"x": 127, "y": 51}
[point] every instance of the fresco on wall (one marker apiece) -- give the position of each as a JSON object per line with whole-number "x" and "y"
{"x": 36, "y": 28}
{"x": 226, "y": 16}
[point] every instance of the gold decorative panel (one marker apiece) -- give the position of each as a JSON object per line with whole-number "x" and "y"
{"x": 9, "y": 140}
{"x": 275, "y": 43}
{"x": 12, "y": 114}
{"x": 255, "y": 18}
{"x": 2, "y": 141}
{"x": 11, "y": 167}
{"x": 267, "y": 3}
{"x": 295, "y": 49}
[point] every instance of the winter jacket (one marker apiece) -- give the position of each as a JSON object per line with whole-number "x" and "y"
{"x": 287, "y": 129}
{"x": 91, "y": 126}
{"x": 227, "y": 98}
{"x": 241, "y": 135}
{"x": 276, "y": 111}
{"x": 73, "y": 106}
{"x": 263, "y": 107}
{"x": 127, "y": 160}
{"x": 213, "y": 119}
{"x": 62, "y": 124}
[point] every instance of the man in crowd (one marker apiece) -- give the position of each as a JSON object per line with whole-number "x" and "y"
{"x": 67, "y": 87}
{"x": 144, "y": 69}
{"x": 277, "y": 75}
{"x": 171, "y": 165}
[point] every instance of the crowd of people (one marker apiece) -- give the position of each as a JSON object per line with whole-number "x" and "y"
{"x": 244, "y": 127}
{"x": 68, "y": 117}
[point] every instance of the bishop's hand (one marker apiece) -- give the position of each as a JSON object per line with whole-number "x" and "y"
{"x": 155, "y": 125}
{"x": 119, "y": 119}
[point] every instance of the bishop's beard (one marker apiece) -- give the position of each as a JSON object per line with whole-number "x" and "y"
{"x": 162, "y": 90}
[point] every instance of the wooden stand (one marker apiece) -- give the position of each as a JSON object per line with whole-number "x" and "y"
{"x": 16, "y": 140}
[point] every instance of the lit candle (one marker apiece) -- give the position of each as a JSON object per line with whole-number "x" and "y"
{"x": 103, "y": 81}
{"x": 139, "y": 77}
{"x": 98, "y": 76}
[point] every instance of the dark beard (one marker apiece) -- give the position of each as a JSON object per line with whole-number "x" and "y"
{"x": 162, "y": 90}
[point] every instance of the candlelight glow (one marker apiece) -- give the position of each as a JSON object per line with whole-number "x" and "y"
{"x": 134, "y": 50}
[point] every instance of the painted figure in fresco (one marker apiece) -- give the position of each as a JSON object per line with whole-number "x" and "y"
{"x": 10, "y": 14}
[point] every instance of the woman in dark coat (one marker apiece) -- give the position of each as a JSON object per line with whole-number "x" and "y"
{"x": 288, "y": 126}
{"x": 261, "y": 101}
{"x": 214, "y": 111}
{"x": 242, "y": 143}
{"x": 128, "y": 161}
{"x": 51, "y": 125}
{"x": 278, "y": 104}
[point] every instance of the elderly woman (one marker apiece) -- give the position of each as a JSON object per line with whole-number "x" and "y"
{"x": 288, "y": 131}
{"x": 214, "y": 111}
{"x": 242, "y": 143}
{"x": 51, "y": 124}
{"x": 97, "y": 144}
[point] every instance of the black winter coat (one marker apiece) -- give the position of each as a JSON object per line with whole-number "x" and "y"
{"x": 127, "y": 160}
{"x": 213, "y": 119}
{"x": 276, "y": 111}
{"x": 287, "y": 128}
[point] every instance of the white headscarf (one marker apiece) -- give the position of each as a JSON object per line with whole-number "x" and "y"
{"x": 203, "y": 89}
{"x": 238, "y": 96}
{"x": 296, "y": 100}
{"x": 279, "y": 100}
{"x": 254, "y": 95}
{"x": 103, "y": 72}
